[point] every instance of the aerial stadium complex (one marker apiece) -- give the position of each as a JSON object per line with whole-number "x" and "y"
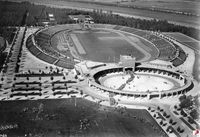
{"x": 111, "y": 64}
{"x": 115, "y": 59}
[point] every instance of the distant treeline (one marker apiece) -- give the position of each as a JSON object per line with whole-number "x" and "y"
{"x": 20, "y": 14}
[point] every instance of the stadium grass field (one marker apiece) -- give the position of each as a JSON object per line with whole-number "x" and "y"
{"x": 62, "y": 118}
{"x": 107, "y": 46}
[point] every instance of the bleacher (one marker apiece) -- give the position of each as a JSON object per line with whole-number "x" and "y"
{"x": 130, "y": 30}
{"x": 46, "y": 58}
{"x": 118, "y": 27}
{"x": 65, "y": 64}
{"x": 166, "y": 49}
{"x": 180, "y": 59}
{"x": 182, "y": 55}
{"x": 44, "y": 51}
{"x": 140, "y": 33}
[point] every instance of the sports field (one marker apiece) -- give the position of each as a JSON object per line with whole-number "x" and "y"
{"x": 107, "y": 46}
{"x": 65, "y": 118}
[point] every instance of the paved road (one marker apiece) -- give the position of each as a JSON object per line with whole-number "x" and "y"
{"x": 175, "y": 18}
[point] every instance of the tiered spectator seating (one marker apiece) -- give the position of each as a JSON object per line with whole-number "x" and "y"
{"x": 65, "y": 64}
{"x": 166, "y": 49}
{"x": 46, "y": 58}
{"x": 45, "y": 52}
{"x": 140, "y": 33}
{"x": 118, "y": 27}
{"x": 182, "y": 55}
{"x": 43, "y": 42}
{"x": 180, "y": 59}
{"x": 130, "y": 30}
{"x": 166, "y": 53}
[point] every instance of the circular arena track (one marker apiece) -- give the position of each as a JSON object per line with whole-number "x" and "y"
{"x": 63, "y": 45}
{"x": 158, "y": 83}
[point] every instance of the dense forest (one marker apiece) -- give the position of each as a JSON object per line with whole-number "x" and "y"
{"x": 25, "y": 13}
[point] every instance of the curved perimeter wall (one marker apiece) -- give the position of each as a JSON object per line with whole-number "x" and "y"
{"x": 188, "y": 84}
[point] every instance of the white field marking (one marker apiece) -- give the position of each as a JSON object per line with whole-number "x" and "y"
{"x": 77, "y": 43}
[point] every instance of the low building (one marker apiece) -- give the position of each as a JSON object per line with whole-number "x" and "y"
{"x": 82, "y": 18}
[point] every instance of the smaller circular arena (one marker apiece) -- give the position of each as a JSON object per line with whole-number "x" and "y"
{"x": 142, "y": 82}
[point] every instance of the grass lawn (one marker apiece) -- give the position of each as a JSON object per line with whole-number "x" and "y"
{"x": 105, "y": 46}
{"x": 62, "y": 118}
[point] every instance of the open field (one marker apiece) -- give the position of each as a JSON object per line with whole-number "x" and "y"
{"x": 106, "y": 47}
{"x": 176, "y": 5}
{"x": 190, "y": 6}
{"x": 65, "y": 118}
{"x": 138, "y": 13}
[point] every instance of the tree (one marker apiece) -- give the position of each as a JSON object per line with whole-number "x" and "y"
{"x": 194, "y": 114}
{"x": 164, "y": 114}
{"x": 178, "y": 129}
{"x": 170, "y": 121}
{"x": 186, "y": 102}
{"x": 81, "y": 92}
{"x": 174, "y": 123}
{"x": 190, "y": 120}
{"x": 196, "y": 101}
{"x": 183, "y": 113}
{"x": 161, "y": 122}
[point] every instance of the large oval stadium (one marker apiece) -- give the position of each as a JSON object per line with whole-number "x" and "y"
{"x": 99, "y": 70}
{"x": 104, "y": 43}
{"x": 67, "y": 45}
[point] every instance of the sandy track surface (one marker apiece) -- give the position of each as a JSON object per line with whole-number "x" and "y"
{"x": 77, "y": 44}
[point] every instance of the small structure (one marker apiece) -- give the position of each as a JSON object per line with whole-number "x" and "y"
{"x": 45, "y": 18}
{"x": 127, "y": 62}
{"x": 82, "y": 18}
{"x": 51, "y": 17}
